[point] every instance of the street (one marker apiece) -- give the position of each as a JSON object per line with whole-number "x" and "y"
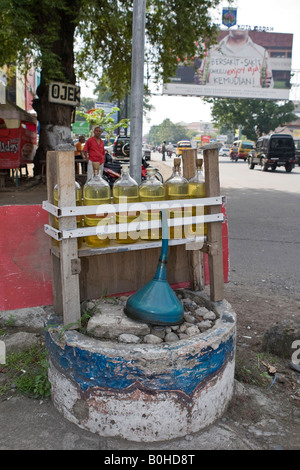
{"x": 263, "y": 210}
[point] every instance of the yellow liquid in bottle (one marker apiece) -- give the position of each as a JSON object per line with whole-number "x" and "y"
{"x": 126, "y": 195}
{"x": 151, "y": 193}
{"x": 78, "y": 203}
{"x": 197, "y": 190}
{"x": 96, "y": 195}
{"x": 178, "y": 191}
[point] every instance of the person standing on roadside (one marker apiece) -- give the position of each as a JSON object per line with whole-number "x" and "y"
{"x": 78, "y": 153}
{"x": 94, "y": 151}
{"x": 163, "y": 151}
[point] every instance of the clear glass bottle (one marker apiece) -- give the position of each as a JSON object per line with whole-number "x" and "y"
{"x": 78, "y": 203}
{"x": 177, "y": 188}
{"x": 151, "y": 190}
{"x": 96, "y": 192}
{"x": 126, "y": 191}
{"x": 197, "y": 190}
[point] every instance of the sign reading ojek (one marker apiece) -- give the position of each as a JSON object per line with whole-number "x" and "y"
{"x": 63, "y": 93}
{"x": 2, "y": 353}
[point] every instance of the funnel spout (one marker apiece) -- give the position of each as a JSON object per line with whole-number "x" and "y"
{"x": 161, "y": 271}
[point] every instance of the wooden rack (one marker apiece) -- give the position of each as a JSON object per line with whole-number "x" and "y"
{"x": 84, "y": 273}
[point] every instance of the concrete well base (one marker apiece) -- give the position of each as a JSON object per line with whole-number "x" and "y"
{"x": 143, "y": 392}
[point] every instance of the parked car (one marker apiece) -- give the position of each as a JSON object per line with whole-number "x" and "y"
{"x": 243, "y": 148}
{"x": 297, "y": 150}
{"x": 273, "y": 151}
{"x": 182, "y": 144}
{"x": 224, "y": 152}
{"x": 121, "y": 149}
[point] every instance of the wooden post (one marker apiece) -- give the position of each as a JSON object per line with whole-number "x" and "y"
{"x": 213, "y": 247}
{"x": 64, "y": 274}
{"x": 194, "y": 255}
{"x": 55, "y": 261}
{"x": 189, "y": 163}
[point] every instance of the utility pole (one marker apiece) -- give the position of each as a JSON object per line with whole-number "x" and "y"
{"x": 137, "y": 88}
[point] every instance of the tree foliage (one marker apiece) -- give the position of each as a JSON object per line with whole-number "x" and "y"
{"x": 257, "y": 117}
{"x": 174, "y": 30}
{"x": 35, "y": 31}
{"x": 73, "y": 39}
{"x": 97, "y": 117}
{"x": 85, "y": 105}
{"x": 169, "y": 132}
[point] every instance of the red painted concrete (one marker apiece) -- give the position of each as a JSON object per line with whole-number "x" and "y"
{"x": 25, "y": 268}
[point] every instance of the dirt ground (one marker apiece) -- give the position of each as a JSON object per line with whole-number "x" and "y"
{"x": 251, "y": 362}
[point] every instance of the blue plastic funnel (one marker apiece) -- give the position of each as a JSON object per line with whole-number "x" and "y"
{"x": 156, "y": 303}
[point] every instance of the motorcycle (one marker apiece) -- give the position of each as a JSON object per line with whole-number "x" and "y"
{"x": 112, "y": 170}
{"x": 234, "y": 156}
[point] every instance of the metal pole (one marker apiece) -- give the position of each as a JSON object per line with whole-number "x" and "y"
{"x": 137, "y": 88}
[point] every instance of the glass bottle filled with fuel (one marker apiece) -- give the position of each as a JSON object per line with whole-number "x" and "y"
{"x": 126, "y": 191}
{"x": 177, "y": 188}
{"x": 97, "y": 192}
{"x": 197, "y": 190}
{"x": 151, "y": 190}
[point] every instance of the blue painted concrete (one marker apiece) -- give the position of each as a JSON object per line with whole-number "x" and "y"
{"x": 89, "y": 369}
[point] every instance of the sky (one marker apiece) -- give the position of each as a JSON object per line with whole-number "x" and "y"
{"x": 282, "y": 16}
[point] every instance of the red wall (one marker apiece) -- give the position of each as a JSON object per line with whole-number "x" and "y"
{"x": 25, "y": 263}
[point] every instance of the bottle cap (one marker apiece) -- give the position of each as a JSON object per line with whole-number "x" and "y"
{"x": 199, "y": 163}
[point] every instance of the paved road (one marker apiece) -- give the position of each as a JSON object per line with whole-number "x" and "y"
{"x": 264, "y": 226}
{"x": 263, "y": 210}
{"x": 238, "y": 175}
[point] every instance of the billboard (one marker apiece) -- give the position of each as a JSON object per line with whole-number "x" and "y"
{"x": 243, "y": 64}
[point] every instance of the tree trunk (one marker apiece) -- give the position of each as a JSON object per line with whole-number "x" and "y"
{"x": 55, "y": 119}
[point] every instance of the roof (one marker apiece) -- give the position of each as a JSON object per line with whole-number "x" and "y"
{"x": 276, "y": 134}
{"x": 267, "y": 39}
{"x": 11, "y": 111}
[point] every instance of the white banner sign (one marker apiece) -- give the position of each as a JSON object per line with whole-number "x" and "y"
{"x": 244, "y": 64}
